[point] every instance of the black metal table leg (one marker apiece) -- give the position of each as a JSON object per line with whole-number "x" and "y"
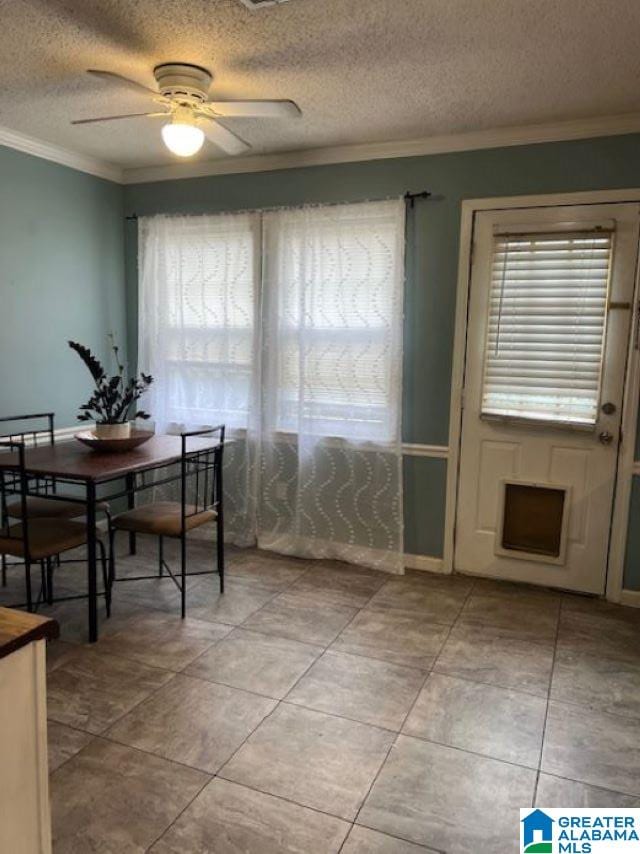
{"x": 131, "y": 503}
{"x": 91, "y": 562}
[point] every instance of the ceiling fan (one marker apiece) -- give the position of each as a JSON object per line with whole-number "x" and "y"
{"x": 183, "y": 97}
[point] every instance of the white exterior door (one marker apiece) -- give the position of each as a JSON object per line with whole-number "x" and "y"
{"x": 548, "y": 331}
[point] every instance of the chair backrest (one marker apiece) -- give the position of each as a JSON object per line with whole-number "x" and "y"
{"x": 32, "y": 430}
{"x": 28, "y": 432}
{"x": 201, "y": 471}
{"x": 19, "y": 477}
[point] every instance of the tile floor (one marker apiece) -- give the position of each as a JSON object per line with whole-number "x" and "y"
{"x": 318, "y": 707}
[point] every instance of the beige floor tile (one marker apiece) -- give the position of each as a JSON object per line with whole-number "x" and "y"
{"x": 439, "y": 599}
{"x": 362, "y": 840}
{"x": 291, "y": 616}
{"x": 321, "y": 749}
{"x": 268, "y": 569}
{"x": 601, "y": 633}
{"x": 512, "y": 590}
{"x": 160, "y": 640}
{"x": 495, "y": 722}
{"x": 555, "y": 791}
{"x": 64, "y": 743}
{"x": 529, "y": 619}
{"x": 152, "y": 594}
{"x": 364, "y": 689}
{"x": 59, "y": 651}
{"x": 406, "y": 639}
{"x": 448, "y": 799}
{"x": 73, "y": 618}
{"x": 314, "y": 759}
{"x": 600, "y": 682}
{"x": 90, "y": 690}
{"x": 600, "y": 607}
{"x": 261, "y": 663}
{"x": 227, "y": 819}
{"x": 497, "y": 657}
{"x": 112, "y": 799}
{"x": 340, "y": 584}
{"x": 238, "y": 602}
{"x": 592, "y": 747}
{"x": 195, "y": 722}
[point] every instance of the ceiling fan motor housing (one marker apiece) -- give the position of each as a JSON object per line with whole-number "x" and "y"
{"x": 183, "y": 82}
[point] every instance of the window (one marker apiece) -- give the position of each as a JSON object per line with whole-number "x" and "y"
{"x": 201, "y": 291}
{"x": 320, "y": 288}
{"x": 547, "y": 319}
{"x": 333, "y": 290}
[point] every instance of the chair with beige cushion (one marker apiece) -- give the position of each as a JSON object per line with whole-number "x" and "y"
{"x": 200, "y": 483}
{"x": 27, "y": 429}
{"x": 39, "y": 539}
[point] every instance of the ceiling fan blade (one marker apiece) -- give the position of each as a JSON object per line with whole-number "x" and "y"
{"x": 114, "y": 118}
{"x": 223, "y": 138}
{"x": 112, "y": 77}
{"x": 262, "y": 109}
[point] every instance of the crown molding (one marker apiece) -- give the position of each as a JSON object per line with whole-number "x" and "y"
{"x": 48, "y": 151}
{"x": 496, "y": 138}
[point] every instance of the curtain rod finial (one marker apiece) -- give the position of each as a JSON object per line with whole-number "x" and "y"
{"x": 411, "y": 197}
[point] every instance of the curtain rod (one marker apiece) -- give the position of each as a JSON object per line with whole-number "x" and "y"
{"x": 410, "y": 198}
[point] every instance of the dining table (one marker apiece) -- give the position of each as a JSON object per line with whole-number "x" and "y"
{"x": 90, "y": 472}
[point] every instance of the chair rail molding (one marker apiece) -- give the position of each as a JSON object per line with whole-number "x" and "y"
{"x": 439, "y": 452}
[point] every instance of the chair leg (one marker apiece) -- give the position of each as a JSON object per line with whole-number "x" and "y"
{"x": 183, "y": 574}
{"x": 220, "y": 549}
{"x": 27, "y": 582}
{"x": 42, "y": 593}
{"x": 4, "y": 570}
{"x": 106, "y": 576}
{"x": 112, "y": 554}
{"x": 50, "y": 579}
{"x": 160, "y": 556}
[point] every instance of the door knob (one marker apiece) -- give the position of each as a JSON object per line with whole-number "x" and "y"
{"x": 605, "y": 437}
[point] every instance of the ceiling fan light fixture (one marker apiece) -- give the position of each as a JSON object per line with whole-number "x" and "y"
{"x": 183, "y": 139}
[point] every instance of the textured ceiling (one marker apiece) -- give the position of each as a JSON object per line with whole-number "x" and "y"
{"x": 361, "y": 70}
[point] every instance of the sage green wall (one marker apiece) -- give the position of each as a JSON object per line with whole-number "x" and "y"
{"x": 432, "y": 258}
{"x": 61, "y": 277}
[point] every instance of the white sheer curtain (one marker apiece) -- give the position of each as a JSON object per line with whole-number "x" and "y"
{"x": 331, "y": 394}
{"x": 287, "y": 326}
{"x": 199, "y": 338}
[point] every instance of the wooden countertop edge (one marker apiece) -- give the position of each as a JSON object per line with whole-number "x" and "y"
{"x": 19, "y": 628}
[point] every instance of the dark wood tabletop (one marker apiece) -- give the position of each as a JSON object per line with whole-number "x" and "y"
{"x": 75, "y": 461}
{"x": 17, "y": 629}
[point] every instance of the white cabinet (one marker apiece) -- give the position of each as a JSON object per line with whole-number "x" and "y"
{"x": 25, "y": 823}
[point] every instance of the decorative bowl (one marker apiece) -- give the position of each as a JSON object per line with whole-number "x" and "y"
{"x": 110, "y": 446}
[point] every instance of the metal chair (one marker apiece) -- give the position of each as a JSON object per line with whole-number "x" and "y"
{"x": 38, "y": 506}
{"x": 201, "y": 476}
{"x": 39, "y": 539}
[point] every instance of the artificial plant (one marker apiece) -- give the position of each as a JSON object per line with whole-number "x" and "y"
{"x": 114, "y": 396}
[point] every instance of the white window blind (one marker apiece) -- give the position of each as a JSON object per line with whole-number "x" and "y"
{"x": 546, "y": 328}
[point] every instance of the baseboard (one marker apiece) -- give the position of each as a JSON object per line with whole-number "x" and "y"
{"x": 425, "y": 563}
{"x": 630, "y": 598}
